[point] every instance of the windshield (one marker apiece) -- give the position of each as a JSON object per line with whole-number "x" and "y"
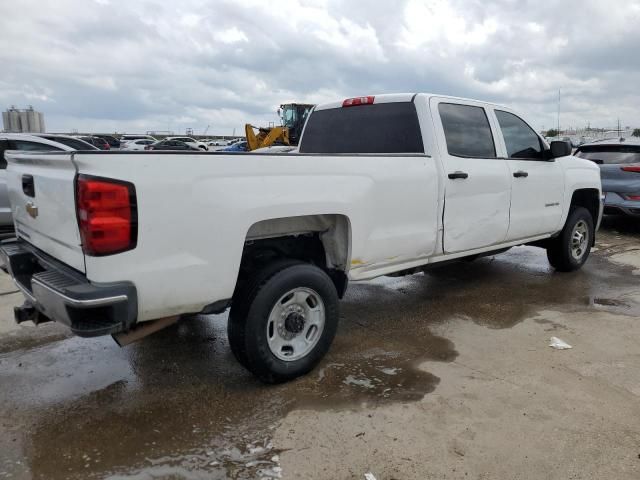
{"x": 611, "y": 154}
{"x": 288, "y": 116}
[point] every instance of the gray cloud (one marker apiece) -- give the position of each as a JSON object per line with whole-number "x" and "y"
{"x": 152, "y": 65}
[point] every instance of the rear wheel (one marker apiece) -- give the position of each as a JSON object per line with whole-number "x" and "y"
{"x": 571, "y": 248}
{"x": 282, "y": 324}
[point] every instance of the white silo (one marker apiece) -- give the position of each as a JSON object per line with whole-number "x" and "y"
{"x": 14, "y": 120}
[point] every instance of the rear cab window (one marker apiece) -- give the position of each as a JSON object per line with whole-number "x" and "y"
{"x": 367, "y": 129}
{"x": 27, "y": 146}
{"x": 614, "y": 154}
{"x": 72, "y": 142}
{"x": 467, "y": 131}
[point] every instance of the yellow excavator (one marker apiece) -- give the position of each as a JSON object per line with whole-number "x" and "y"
{"x": 292, "y": 116}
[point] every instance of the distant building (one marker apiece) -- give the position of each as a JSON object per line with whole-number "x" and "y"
{"x": 19, "y": 121}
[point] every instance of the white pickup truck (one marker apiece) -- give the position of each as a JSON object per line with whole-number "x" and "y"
{"x": 124, "y": 243}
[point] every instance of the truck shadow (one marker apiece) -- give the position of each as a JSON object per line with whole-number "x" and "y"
{"x": 621, "y": 223}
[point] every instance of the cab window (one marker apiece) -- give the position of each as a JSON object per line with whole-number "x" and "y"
{"x": 520, "y": 139}
{"x": 467, "y": 131}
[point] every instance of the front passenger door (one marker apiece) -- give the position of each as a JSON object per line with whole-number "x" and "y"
{"x": 537, "y": 183}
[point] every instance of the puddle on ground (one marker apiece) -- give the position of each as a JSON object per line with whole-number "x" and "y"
{"x": 179, "y": 406}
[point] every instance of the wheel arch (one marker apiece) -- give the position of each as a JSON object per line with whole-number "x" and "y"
{"x": 588, "y": 198}
{"x": 323, "y": 239}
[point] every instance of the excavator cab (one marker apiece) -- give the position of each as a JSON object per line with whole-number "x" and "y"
{"x": 292, "y": 115}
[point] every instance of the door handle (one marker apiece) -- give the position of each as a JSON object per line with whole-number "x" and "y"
{"x": 28, "y": 187}
{"x": 520, "y": 174}
{"x": 458, "y": 174}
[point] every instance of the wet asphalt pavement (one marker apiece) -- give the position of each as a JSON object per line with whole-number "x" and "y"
{"x": 177, "y": 405}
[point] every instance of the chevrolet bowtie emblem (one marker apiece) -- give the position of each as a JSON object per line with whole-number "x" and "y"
{"x": 32, "y": 209}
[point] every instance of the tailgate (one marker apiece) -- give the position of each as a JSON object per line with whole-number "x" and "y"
{"x": 42, "y": 195}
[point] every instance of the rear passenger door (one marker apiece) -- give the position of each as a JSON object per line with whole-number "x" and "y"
{"x": 537, "y": 186}
{"x": 477, "y": 182}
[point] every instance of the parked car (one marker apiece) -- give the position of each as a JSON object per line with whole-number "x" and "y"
{"x": 236, "y": 147}
{"x": 619, "y": 162}
{"x": 277, "y": 238}
{"x": 168, "y": 144}
{"x": 190, "y": 141}
{"x": 137, "y": 144}
{"x": 68, "y": 140}
{"x": 98, "y": 142}
{"x": 111, "y": 140}
{"x": 127, "y": 138}
{"x": 216, "y": 143}
{"x": 20, "y": 142}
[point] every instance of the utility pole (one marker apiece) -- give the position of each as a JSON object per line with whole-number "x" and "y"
{"x": 558, "y": 112}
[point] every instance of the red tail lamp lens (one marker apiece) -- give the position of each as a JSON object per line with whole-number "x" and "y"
{"x": 107, "y": 215}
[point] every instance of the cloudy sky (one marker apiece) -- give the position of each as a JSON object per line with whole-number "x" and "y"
{"x": 133, "y": 66}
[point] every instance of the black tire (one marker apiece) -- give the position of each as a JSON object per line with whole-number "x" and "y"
{"x": 240, "y": 306}
{"x": 560, "y": 252}
{"x": 250, "y": 310}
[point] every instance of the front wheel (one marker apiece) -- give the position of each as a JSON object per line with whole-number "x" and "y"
{"x": 571, "y": 248}
{"x": 282, "y": 325}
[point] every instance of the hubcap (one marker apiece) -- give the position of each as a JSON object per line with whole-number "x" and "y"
{"x": 295, "y": 324}
{"x": 579, "y": 240}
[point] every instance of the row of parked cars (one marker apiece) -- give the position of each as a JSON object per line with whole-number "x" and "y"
{"x": 136, "y": 142}
{"x": 148, "y": 142}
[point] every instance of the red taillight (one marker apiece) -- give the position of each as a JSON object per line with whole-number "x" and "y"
{"x": 107, "y": 215}
{"x": 635, "y": 198}
{"x": 632, "y": 168}
{"x": 352, "y": 102}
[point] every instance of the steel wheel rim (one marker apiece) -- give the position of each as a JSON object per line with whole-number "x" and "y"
{"x": 579, "y": 240}
{"x": 295, "y": 324}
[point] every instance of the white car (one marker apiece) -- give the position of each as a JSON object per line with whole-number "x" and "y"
{"x": 68, "y": 140}
{"x": 124, "y": 139}
{"x": 125, "y": 245}
{"x": 136, "y": 144}
{"x": 190, "y": 141}
{"x": 217, "y": 143}
{"x": 21, "y": 142}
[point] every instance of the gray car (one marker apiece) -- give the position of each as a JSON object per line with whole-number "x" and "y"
{"x": 619, "y": 161}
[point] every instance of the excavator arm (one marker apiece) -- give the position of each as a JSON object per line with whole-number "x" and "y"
{"x": 265, "y": 136}
{"x": 293, "y": 116}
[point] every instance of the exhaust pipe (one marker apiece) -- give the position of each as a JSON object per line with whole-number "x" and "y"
{"x": 142, "y": 330}
{"x": 27, "y": 312}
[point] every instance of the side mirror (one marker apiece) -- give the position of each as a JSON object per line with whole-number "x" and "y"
{"x": 560, "y": 148}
